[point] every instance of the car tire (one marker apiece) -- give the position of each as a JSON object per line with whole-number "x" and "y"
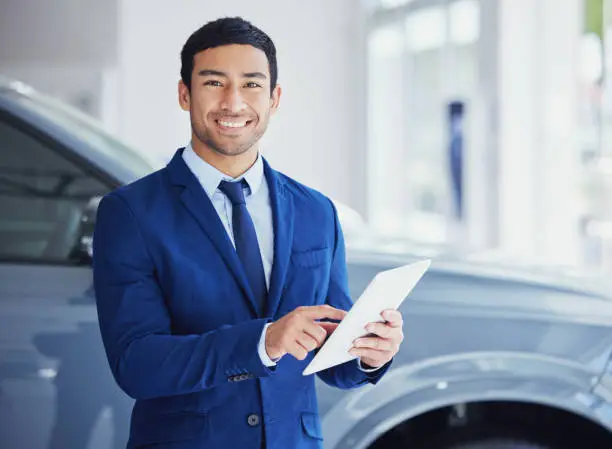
{"x": 499, "y": 443}
{"x": 487, "y": 439}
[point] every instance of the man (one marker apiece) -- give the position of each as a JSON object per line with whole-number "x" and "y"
{"x": 218, "y": 277}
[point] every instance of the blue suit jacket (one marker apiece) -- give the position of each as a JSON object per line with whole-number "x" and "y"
{"x": 181, "y": 328}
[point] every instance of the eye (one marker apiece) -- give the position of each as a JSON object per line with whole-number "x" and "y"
{"x": 214, "y": 83}
{"x": 252, "y": 85}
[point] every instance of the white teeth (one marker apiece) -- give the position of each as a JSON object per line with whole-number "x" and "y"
{"x": 232, "y": 124}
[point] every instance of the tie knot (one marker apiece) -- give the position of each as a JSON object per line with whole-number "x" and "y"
{"x": 234, "y": 191}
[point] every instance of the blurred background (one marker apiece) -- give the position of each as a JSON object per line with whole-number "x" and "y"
{"x": 476, "y": 125}
{"x": 479, "y": 131}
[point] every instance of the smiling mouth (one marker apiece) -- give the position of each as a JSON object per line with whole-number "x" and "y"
{"x": 233, "y": 124}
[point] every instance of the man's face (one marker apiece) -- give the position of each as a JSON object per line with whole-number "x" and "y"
{"x": 230, "y": 102}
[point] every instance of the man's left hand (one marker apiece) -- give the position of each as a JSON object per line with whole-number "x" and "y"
{"x": 381, "y": 346}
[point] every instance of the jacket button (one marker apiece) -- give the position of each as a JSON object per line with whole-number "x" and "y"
{"x": 253, "y": 420}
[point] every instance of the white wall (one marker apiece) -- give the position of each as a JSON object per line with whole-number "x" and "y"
{"x": 317, "y": 135}
{"x": 57, "y": 48}
{"x": 58, "y": 32}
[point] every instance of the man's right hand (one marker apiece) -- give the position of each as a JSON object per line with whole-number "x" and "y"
{"x": 298, "y": 332}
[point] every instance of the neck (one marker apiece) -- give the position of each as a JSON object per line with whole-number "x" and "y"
{"x": 233, "y": 166}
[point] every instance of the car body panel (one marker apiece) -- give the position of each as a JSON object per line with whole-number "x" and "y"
{"x": 413, "y": 390}
{"x": 56, "y": 389}
{"x": 497, "y": 339}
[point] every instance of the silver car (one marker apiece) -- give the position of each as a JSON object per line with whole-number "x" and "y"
{"x": 495, "y": 356}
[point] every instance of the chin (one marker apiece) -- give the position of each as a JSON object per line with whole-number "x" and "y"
{"x": 230, "y": 151}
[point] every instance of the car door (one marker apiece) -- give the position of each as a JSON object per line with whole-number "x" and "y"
{"x": 56, "y": 390}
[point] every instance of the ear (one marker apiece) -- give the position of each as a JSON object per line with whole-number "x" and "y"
{"x": 275, "y": 99}
{"x": 184, "y": 96}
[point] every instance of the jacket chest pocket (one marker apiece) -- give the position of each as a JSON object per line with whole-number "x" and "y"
{"x": 308, "y": 278}
{"x": 311, "y": 258}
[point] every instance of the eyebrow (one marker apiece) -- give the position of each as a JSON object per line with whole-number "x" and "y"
{"x": 209, "y": 72}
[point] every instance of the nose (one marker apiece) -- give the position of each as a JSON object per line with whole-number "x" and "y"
{"x": 233, "y": 101}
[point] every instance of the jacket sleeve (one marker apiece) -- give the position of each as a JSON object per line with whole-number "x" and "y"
{"x": 347, "y": 375}
{"x": 147, "y": 361}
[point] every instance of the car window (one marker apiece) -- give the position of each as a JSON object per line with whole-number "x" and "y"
{"x": 42, "y": 196}
{"x": 87, "y": 129}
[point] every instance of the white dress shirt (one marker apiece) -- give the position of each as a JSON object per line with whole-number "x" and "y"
{"x": 257, "y": 198}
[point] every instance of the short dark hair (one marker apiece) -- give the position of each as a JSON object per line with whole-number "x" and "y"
{"x": 227, "y": 31}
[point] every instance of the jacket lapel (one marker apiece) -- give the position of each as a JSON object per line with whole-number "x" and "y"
{"x": 282, "y": 217}
{"x": 198, "y": 204}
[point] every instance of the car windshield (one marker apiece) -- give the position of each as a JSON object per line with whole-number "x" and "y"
{"x": 88, "y": 130}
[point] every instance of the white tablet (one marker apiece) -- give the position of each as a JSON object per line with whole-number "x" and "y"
{"x": 387, "y": 290}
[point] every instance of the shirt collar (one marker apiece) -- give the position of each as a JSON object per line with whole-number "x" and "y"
{"x": 210, "y": 177}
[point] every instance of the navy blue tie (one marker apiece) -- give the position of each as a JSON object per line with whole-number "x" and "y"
{"x": 245, "y": 240}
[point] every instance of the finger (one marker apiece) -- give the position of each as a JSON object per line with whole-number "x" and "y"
{"x": 374, "y": 343}
{"x": 297, "y": 350}
{"x": 378, "y": 357}
{"x": 381, "y": 329}
{"x": 316, "y": 332}
{"x": 371, "y": 363}
{"x": 324, "y": 311}
{"x": 307, "y": 342}
{"x": 393, "y": 317}
{"x": 328, "y": 326}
